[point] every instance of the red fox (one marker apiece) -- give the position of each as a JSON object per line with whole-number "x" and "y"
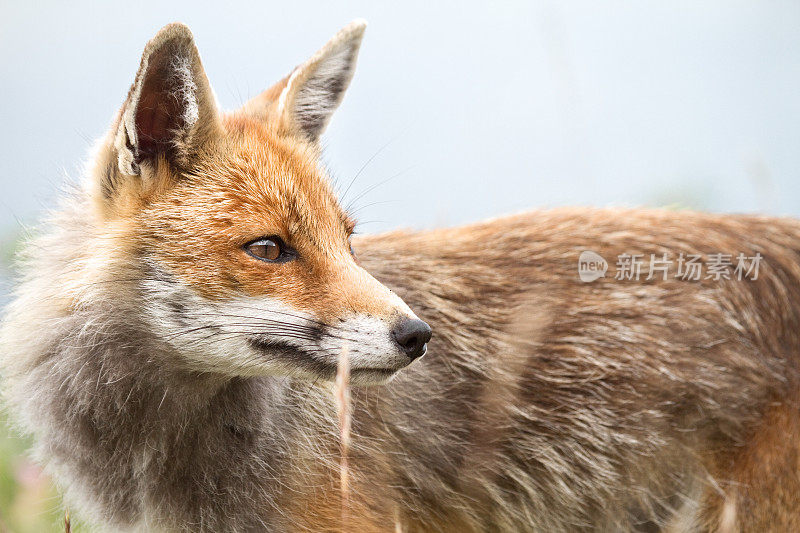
{"x": 179, "y": 321}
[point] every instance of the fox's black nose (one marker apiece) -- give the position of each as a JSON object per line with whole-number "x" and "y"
{"x": 412, "y": 334}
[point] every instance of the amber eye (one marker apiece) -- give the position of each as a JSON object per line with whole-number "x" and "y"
{"x": 269, "y": 249}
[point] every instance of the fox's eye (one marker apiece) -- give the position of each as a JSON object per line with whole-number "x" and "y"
{"x": 269, "y": 249}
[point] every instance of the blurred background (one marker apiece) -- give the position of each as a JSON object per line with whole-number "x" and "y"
{"x": 458, "y": 111}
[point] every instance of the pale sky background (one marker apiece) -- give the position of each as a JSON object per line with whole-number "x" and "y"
{"x": 475, "y": 108}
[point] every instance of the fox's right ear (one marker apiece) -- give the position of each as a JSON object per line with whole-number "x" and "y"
{"x": 303, "y": 102}
{"x": 171, "y": 110}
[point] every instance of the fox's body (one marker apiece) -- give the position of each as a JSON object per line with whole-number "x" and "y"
{"x": 166, "y": 357}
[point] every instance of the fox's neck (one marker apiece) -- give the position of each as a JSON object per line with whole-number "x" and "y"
{"x": 136, "y": 434}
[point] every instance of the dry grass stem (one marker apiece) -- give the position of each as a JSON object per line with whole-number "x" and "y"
{"x": 344, "y": 410}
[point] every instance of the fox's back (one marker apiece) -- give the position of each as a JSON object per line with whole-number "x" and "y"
{"x": 609, "y": 404}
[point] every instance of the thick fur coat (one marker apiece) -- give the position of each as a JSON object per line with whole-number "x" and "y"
{"x": 544, "y": 403}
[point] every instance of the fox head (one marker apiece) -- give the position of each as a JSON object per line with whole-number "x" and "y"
{"x": 242, "y": 252}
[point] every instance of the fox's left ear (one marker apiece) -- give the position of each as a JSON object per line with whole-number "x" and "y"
{"x": 303, "y": 102}
{"x": 170, "y": 110}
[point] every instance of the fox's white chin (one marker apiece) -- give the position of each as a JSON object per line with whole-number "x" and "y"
{"x": 372, "y": 376}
